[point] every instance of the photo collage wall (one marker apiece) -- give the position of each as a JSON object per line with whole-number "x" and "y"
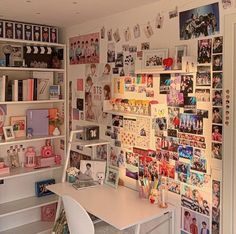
{"x": 182, "y": 143}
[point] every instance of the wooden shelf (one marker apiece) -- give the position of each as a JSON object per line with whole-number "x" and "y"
{"x": 127, "y": 114}
{"x": 22, "y": 171}
{"x": 31, "y": 228}
{"x": 17, "y": 206}
{"x": 25, "y": 139}
{"x": 25, "y": 42}
{"x": 31, "y": 69}
{"x": 31, "y": 102}
{"x": 91, "y": 142}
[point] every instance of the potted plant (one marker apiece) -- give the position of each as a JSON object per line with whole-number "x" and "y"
{"x": 56, "y": 122}
{"x": 72, "y": 173}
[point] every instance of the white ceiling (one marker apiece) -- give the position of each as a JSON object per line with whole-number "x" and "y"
{"x": 64, "y": 12}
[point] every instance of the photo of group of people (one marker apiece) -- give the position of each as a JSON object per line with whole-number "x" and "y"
{"x": 190, "y": 123}
{"x": 84, "y": 49}
{"x": 204, "y": 50}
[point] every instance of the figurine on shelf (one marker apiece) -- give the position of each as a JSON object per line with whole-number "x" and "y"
{"x": 57, "y": 159}
{"x": 29, "y": 132}
{"x": 47, "y": 150}
{"x": 30, "y": 156}
{"x": 168, "y": 62}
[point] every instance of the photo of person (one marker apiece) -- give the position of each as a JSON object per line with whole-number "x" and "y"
{"x": 148, "y": 31}
{"x": 186, "y": 85}
{"x": 150, "y": 81}
{"x": 216, "y": 197}
{"x": 111, "y": 53}
{"x": 194, "y": 23}
{"x": 194, "y": 223}
{"x": 116, "y": 35}
{"x": 18, "y": 31}
{"x": 216, "y": 151}
{"x": 217, "y": 62}
{"x": 217, "y": 45}
{"x": 145, "y": 46}
{"x": 217, "y": 133}
{"x": 217, "y": 98}
{"x": 202, "y": 95}
{"x": 217, "y": 80}
{"x": 119, "y": 60}
{"x": 136, "y": 31}
{"x": 217, "y": 115}
{"x": 204, "y": 51}
{"x": 191, "y": 124}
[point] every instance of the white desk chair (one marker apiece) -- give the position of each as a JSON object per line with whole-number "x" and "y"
{"x": 78, "y": 219}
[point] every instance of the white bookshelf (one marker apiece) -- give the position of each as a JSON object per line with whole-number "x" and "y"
{"x": 10, "y": 208}
{"x": 38, "y": 227}
{"x": 19, "y": 202}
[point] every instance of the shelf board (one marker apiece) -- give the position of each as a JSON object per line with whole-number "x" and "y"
{"x": 17, "y": 206}
{"x": 160, "y": 72}
{"x": 25, "y": 139}
{"x": 22, "y": 171}
{"x": 31, "y": 69}
{"x": 127, "y": 114}
{"x": 91, "y": 142}
{"x": 31, "y": 102}
{"x": 25, "y": 42}
{"x": 31, "y": 228}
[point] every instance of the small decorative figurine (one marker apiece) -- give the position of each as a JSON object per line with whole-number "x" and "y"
{"x": 58, "y": 159}
{"x": 168, "y": 62}
{"x": 29, "y": 132}
{"x": 30, "y": 155}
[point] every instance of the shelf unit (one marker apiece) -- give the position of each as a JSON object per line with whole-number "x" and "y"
{"x": 113, "y": 112}
{"x": 19, "y": 202}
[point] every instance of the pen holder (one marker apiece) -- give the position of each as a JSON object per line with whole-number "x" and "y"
{"x": 144, "y": 192}
{"x": 71, "y": 178}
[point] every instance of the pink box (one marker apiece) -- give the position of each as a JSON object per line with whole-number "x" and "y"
{"x": 4, "y": 170}
{"x": 44, "y": 162}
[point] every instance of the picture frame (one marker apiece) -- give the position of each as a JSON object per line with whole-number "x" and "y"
{"x": 180, "y": 51}
{"x": 8, "y": 133}
{"x": 28, "y": 32}
{"x": 19, "y": 31}
{"x": 37, "y": 33}
{"x": 112, "y": 176}
{"x": 40, "y": 187}
{"x": 9, "y": 30}
{"x": 153, "y": 59}
{"x": 18, "y": 124}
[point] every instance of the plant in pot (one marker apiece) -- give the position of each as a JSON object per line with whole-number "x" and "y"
{"x": 72, "y": 173}
{"x": 56, "y": 121}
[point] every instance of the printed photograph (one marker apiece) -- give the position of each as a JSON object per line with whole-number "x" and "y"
{"x": 191, "y": 124}
{"x": 186, "y": 85}
{"x": 76, "y": 157}
{"x": 217, "y": 45}
{"x": 199, "y": 164}
{"x": 191, "y": 22}
{"x": 165, "y": 81}
{"x": 217, "y": 62}
{"x": 175, "y": 99}
{"x": 217, "y": 133}
{"x": 111, "y": 55}
{"x": 190, "y": 104}
{"x": 203, "y": 77}
{"x": 204, "y": 51}
{"x": 173, "y": 118}
{"x": 217, "y": 117}
{"x": 84, "y": 49}
{"x": 217, "y": 98}
{"x": 185, "y": 152}
{"x": 173, "y": 186}
{"x": 217, "y": 78}
{"x": 216, "y": 151}
{"x": 203, "y": 95}
{"x": 193, "y": 222}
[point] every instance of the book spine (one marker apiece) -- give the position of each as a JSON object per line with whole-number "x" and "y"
{"x": 15, "y": 90}
{"x": 35, "y": 89}
{"x": 29, "y": 90}
{"x": 8, "y": 90}
{"x": 2, "y": 88}
{"x": 25, "y": 90}
{"x": 20, "y": 90}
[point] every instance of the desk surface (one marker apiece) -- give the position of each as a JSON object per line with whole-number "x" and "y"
{"x": 121, "y": 207}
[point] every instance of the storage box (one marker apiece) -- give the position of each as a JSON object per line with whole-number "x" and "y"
{"x": 44, "y": 162}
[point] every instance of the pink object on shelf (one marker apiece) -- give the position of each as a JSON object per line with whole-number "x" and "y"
{"x": 4, "y": 170}
{"x": 42, "y": 161}
{"x": 58, "y": 159}
{"x": 30, "y": 157}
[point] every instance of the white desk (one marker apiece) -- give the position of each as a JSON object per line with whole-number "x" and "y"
{"x": 121, "y": 207}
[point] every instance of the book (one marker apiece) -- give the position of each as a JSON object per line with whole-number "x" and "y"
{"x": 37, "y": 120}
{"x": 19, "y": 125}
{"x": 25, "y": 90}
{"x": 35, "y": 89}
{"x": 54, "y": 92}
{"x": 20, "y": 90}
{"x": 15, "y": 90}
{"x": 2, "y": 88}
{"x": 44, "y": 80}
{"x": 8, "y": 90}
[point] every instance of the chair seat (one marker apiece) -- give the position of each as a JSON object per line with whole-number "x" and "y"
{"x": 105, "y": 228}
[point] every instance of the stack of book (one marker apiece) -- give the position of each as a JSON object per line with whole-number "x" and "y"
{"x": 24, "y": 89}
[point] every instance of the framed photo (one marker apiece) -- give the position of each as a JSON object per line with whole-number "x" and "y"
{"x": 180, "y": 51}
{"x": 18, "y": 124}
{"x": 53, "y": 35}
{"x": 28, "y": 32}
{"x": 37, "y": 33}
{"x": 112, "y": 176}
{"x": 9, "y": 32}
{"x": 153, "y": 59}
{"x": 18, "y": 31}
{"x": 17, "y": 56}
{"x": 1, "y": 29}
{"x": 45, "y": 34}
{"x": 54, "y": 92}
{"x": 41, "y": 187}
{"x": 8, "y": 133}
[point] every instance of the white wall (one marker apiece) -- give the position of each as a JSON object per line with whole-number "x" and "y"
{"x": 167, "y": 37}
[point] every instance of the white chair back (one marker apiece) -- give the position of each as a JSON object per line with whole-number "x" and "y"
{"x": 78, "y": 219}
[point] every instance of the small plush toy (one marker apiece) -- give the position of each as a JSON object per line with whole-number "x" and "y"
{"x": 100, "y": 177}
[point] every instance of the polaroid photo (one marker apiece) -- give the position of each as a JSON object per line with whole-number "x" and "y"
{"x": 217, "y": 115}
{"x": 148, "y": 31}
{"x": 217, "y": 80}
{"x": 112, "y": 176}
{"x": 159, "y": 21}
{"x": 217, "y": 131}
{"x": 54, "y": 35}
{"x": 217, "y": 45}
{"x": 137, "y": 31}
{"x": 217, "y": 98}
{"x": 116, "y": 35}
{"x": 109, "y": 35}
{"x": 119, "y": 60}
{"x": 111, "y": 53}
{"x": 189, "y": 64}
